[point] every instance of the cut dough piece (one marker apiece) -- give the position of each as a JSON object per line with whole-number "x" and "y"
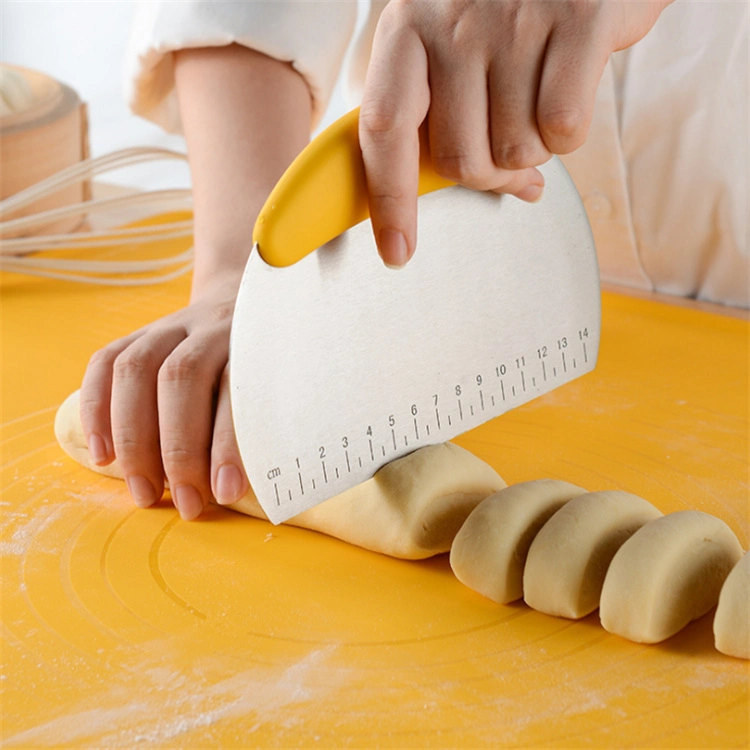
{"x": 732, "y": 619}
{"x": 569, "y": 557}
{"x": 667, "y": 574}
{"x": 412, "y": 508}
{"x": 489, "y": 552}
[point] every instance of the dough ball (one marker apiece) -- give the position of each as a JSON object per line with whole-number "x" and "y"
{"x": 667, "y": 574}
{"x": 489, "y": 552}
{"x": 569, "y": 557}
{"x": 412, "y": 508}
{"x": 732, "y": 619}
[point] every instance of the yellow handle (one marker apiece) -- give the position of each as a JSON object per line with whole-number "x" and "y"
{"x": 323, "y": 193}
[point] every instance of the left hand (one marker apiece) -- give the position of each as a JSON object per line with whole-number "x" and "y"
{"x": 503, "y": 84}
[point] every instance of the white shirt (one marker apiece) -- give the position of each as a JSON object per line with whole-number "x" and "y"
{"x": 664, "y": 171}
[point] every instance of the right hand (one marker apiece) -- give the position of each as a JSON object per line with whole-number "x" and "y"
{"x": 158, "y": 401}
{"x": 501, "y": 85}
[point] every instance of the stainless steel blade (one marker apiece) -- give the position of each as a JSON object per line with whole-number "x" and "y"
{"x": 339, "y": 365}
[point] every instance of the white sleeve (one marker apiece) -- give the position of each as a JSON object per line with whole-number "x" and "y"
{"x": 663, "y": 173}
{"x": 312, "y": 36}
{"x": 684, "y": 131}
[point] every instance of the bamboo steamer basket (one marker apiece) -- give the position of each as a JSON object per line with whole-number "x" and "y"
{"x": 42, "y": 132}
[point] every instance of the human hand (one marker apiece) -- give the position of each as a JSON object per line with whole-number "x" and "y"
{"x": 158, "y": 400}
{"x": 502, "y": 84}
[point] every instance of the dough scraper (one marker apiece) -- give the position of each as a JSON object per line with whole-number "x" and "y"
{"x": 340, "y": 365}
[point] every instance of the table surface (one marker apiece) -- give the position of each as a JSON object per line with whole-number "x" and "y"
{"x": 126, "y": 627}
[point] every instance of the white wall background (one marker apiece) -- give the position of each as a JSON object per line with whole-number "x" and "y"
{"x": 82, "y": 43}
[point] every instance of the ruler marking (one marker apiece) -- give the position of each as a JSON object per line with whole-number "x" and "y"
{"x": 325, "y": 473}
{"x": 276, "y": 490}
{"x": 360, "y": 463}
{"x": 372, "y": 454}
{"x": 393, "y": 435}
{"x": 460, "y": 410}
{"x": 427, "y": 427}
{"x": 533, "y": 381}
{"x": 313, "y": 484}
{"x": 502, "y": 389}
{"x": 481, "y": 398}
{"x": 544, "y": 371}
{"x": 383, "y": 447}
{"x": 337, "y": 472}
{"x": 449, "y": 420}
{"x": 565, "y": 367}
{"x": 301, "y": 486}
{"x": 471, "y": 409}
{"x": 406, "y": 440}
{"x": 348, "y": 466}
{"x": 574, "y": 362}
{"x": 513, "y": 389}
{"x": 523, "y": 381}
{"x": 585, "y": 356}
{"x": 554, "y": 372}
{"x": 437, "y": 416}
{"x": 290, "y": 494}
{"x": 493, "y": 400}
{"x": 416, "y": 429}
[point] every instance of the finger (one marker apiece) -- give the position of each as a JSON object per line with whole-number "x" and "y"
{"x": 458, "y": 123}
{"x": 525, "y": 184}
{"x": 573, "y": 66}
{"x": 187, "y": 382}
{"x": 394, "y": 104}
{"x": 134, "y": 412}
{"x": 513, "y": 84}
{"x": 96, "y": 395}
{"x": 459, "y": 132}
{"x": 228, "y": 479}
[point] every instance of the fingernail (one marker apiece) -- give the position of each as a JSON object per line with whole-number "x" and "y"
{"x": 228, "y": 484}
{"x": 97, "y": 448}
{"x": 393, "y": 248}
{"x": 531, "y": 193}
{"x": 142, "y": 491}
{"x": 188, "y": 501}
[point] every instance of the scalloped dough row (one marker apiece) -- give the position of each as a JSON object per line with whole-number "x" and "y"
{"x": 568, "y": 552}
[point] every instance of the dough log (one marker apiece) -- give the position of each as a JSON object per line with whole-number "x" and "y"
{"x": 732, "y": 619}
{"x": 412, "y": 508}
{"x": 569, "y": 557}
{"x": 489, "y": 551}
{"x": 667, "y": 574}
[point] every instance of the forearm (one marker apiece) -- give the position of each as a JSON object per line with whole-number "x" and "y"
{"x": 245, "y": 117}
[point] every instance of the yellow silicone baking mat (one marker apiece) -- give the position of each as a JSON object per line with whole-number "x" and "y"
{"x": 131, "y": 628}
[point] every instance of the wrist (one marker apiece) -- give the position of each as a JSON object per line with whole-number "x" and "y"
{"x": 218, "y": 275}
